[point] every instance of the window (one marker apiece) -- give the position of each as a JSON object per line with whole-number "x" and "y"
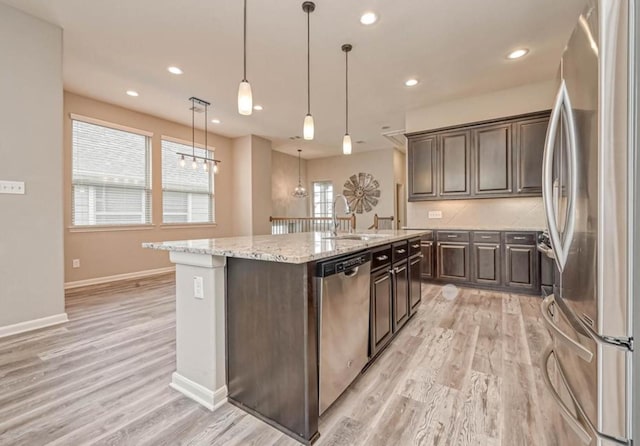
{"x": 111, "y": 177}
{"x": 322, "y": 199}
{"x": 187, "y": 194}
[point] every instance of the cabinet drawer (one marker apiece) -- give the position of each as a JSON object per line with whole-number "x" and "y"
{"x": 380, "y": 257}
{"x": 486, "y": 237}
{"x": 520, "y": 238}
{"x": 453, "y": 236}
{"x": 414, "y": 246}
{"x": 400, "y": 251}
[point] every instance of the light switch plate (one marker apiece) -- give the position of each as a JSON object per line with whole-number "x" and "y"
{"x": 12, "y": 187}
{"x": 435, "y": 214}
{"x": 198, "y": 287}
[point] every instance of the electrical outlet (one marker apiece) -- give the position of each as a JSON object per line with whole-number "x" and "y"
{"x": 12, "y": 187}
{"x": 198, "y": 287}
{"x": 435, "y": 214}
{"x": 76, "y": 263}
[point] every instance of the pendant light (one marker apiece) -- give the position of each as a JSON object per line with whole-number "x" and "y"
{"x": 308, "y": 128}
{"x": 346, "y": 140}
{"x": 299, "y": 191}
{"x": 206, "y": 160}
{"x": 245, "y": 97}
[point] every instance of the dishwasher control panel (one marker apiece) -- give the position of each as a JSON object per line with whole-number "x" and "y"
{"x": 342, "y": 264}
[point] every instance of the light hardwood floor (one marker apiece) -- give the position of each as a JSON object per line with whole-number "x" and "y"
{"x": 462, "y": 372}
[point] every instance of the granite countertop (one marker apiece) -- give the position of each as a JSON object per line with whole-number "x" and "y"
{"x": 478, "y": 228}
{"x": 287, "y": 248}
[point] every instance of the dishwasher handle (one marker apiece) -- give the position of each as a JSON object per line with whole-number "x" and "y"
{"x": 352, "y": 272}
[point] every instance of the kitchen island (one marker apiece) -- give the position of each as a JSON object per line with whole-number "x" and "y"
{"x": 247, "y": 320}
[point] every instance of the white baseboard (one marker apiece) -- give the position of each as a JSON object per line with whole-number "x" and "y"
{"x": 118, "y": 277}
{"x": 34, "y": 324}
{"x": 198, "y": 393}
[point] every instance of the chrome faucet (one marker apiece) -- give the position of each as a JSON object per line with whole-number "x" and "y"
{"x": 335, "y": 216}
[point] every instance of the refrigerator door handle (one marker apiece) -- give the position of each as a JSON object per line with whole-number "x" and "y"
{"x": 561, "y": 108}
{"x": 573, "y": 422}
{"x": 575, "y": 346}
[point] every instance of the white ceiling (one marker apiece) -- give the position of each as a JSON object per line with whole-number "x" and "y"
{"x": 456, "y": 48}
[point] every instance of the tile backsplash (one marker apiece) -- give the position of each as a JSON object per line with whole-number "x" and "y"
{"x": 525, "y": 213}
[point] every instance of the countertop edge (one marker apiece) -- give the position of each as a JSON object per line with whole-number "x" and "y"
{"x": 362, "y": 245}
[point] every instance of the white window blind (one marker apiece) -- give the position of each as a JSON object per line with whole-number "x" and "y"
{"x": 322, "y": 199}
{"x": 111, "y": 176}
{"x": 187, "y": 194}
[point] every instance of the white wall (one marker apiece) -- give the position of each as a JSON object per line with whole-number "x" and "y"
{"x": 251, "y": 206}
{"x": 31, "y": 232}
{"x": 515, "y": 213}
{"x": 338, "y": 169}
{"x": 284, "y": 179}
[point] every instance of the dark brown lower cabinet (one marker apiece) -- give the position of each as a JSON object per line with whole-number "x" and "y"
{"x": 426, "y": 247}
{"x": 486, "y": 263}
{"x": 453, "y": 261}
{"x": 415, "y": 278}
{"x": 400, "y": 294}
{"x": 521, "y": 265}
{"x": 381, "y": 314}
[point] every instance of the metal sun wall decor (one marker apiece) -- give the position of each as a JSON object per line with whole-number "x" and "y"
{"x": 362, "y": 192}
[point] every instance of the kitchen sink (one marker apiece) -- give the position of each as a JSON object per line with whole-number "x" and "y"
{"x": 363, "y": 237}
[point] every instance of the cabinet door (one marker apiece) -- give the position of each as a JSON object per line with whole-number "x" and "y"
{"x": 426, "y": 248}
{"x": 400, "y": 295}
{"x": 415, "y": 291}
{"x": 422, "y": 167}
{"x": 492, "y": 155}
{"x": 547, "y": 270}
{"x": 521, "y": 267}
{"x": 529, "y": 149}
{"x": 381, "y": 321}
{"x": 454, "y": 164}
{"x": 486, "y": 263}
{"x": 453, "y": 261}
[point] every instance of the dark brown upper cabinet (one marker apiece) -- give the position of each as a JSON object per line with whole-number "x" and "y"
{"x": 496, "y": 158}
{"x": 454, "y": 167}
{"x": 492, "y": 154}
{"x": 422, "y": 154}
{"x": 529, "y": 149}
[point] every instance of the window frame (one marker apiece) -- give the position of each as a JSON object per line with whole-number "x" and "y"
{"x": 106, "y": 227}
{"x": 212, "y": 185}
{"x": 328, "y": 204}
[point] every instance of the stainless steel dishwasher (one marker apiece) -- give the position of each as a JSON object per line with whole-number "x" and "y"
{"x": 343, "y": 287}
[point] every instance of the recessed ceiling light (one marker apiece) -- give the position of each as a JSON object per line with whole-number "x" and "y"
{"x": 368, "y": 18}
{"x": 411, "y": 82}
{"x": 174, "y": 70}
{"x": 216, "y": 121}
{"x": 257, "y": 107}
{"x": 132, "y": 93}
{"x": 517, "y": 54}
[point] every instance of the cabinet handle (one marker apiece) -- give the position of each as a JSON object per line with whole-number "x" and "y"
{"x": 429, "y": 244}
{"x": 519, "y": 238}
{"x": 401, "y": 251}
{"x": 382, "y": 258}
{"x": 415, "y": 246}
{"x": 452, "y": 236}
{"x": 485, "y": 236}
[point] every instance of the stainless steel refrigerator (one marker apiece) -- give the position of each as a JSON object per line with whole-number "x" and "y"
{"x": 588, "y": 193}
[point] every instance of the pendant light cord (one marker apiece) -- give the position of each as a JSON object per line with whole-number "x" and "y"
{"x": 299, "y": 182}
{"x": 244, "y": 76}
{"x": 308, "y": 64}
{"x": 193, "y": 127}
{"x": 206, "y": 119}
{"x": 346, "y": 84}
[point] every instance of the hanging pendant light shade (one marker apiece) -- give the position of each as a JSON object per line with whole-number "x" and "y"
{"x": 245, "y": 97}
{"x": 299, "y": 191}
{"x": 308, "y": 128}
{"x": 346, "y": 140}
